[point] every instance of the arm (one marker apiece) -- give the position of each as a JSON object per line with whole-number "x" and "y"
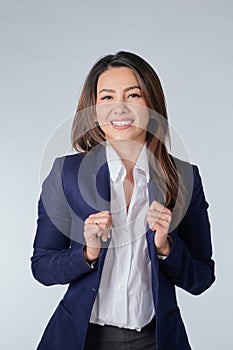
{"x": 189, "y": 264}
{"x": 53, "y": 260}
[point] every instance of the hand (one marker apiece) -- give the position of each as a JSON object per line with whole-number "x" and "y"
{"x": 159, "y": 218}
{"x": 96, "y": 227}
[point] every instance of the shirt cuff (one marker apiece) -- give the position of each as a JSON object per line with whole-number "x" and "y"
{"x": 93, "y": 264}
{"x": 161, "y": 257}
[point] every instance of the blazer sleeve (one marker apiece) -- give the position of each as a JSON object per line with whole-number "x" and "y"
{"x": 55, "y": 260}
{"x": 189, "y": 264}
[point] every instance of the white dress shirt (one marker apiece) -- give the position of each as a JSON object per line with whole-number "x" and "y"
{"x": 125, "y": 295}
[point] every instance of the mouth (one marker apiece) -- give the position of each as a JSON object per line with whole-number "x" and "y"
{"x": 122, "y": 123}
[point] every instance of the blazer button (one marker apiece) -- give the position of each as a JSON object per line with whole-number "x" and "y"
{"x": 93, "y": 290}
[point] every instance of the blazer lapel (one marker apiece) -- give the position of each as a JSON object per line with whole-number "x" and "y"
{"x": 94, "y": 181}
{"x": 102, "y": 180}
{"x": 154, "y": 194}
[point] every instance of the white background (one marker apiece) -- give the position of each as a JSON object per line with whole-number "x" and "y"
{"x": 47, "y": 48}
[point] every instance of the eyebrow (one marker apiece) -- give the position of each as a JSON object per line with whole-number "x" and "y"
{"x": 125, "y": 90}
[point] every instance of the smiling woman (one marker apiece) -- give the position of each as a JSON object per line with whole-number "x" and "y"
{"x": 122, "y": 222}
{"x": 128, "y": 70}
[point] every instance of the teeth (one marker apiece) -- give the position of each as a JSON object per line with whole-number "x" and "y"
{"x": 122, "y": 122}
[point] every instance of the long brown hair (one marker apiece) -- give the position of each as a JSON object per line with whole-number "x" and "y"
{"x": 86, "y": 134}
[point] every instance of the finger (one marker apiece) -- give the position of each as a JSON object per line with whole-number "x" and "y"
{"x": 91, "y": 231}
{"x": 156, "y": 206}
{"x": 105, "y": 236}
{"x": 160, "y": 225}
{"x": 99, "y": 214}
{"x": 164, "y": 211}
{"x": 99, "y": 233}
{"x": 152, "y": 219}
{"x": 163, "y": 217}
{"x": 159, "y": 208}
{"x": 98, "y": 220}
{"x": 163, "y": 224}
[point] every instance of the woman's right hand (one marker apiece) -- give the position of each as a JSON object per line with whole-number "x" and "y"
{"x": 96, "y": 227}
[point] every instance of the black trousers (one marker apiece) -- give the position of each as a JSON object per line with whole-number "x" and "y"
{"x": 114, "y": 338}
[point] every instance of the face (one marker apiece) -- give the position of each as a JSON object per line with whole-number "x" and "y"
{"x": 120, "y": 106}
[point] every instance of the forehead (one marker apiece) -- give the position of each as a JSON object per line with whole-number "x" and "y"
{"x": 119, "y": 76}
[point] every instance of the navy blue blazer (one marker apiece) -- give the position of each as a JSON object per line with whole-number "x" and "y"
{"x": 78, "y": 186}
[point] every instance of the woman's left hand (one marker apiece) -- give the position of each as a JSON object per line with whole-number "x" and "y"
{"x": 159, "y": 218}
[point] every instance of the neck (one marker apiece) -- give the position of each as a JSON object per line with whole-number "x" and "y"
{"x": 128, "y": 151}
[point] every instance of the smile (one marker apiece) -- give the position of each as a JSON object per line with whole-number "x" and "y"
{"x": 122, "y": 122}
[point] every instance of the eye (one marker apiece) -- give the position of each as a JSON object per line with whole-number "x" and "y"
{"x": 107, "y": 97}
{"x": 134, "y": 95}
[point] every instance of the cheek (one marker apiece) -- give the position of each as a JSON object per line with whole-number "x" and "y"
{"x": 142, "y": 113}
{"x": 102, "y": 113}
{"x": 145, "y": 117}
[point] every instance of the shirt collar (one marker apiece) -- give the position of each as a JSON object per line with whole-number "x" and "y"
{"x": 116, "y": 167}
{"x": 142, "y": 162}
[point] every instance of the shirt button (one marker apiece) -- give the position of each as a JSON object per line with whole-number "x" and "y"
{"x": 120, "y": 286}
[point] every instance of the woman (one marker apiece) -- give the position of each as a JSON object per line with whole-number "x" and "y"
{"x": 122, "y": 221}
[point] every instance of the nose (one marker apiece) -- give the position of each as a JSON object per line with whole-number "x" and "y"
{"x": 120, "y": 108}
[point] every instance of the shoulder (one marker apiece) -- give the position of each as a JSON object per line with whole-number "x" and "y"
{"x": 188, "y": 171}
{"x": 68, "y": 162}
{"x": 72, "y": 158}
{"x": 194, "y": 190}
{"x": 63, "y": 166}
{"x": 180, "y": 163}
{"x": 190, "y": 182}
